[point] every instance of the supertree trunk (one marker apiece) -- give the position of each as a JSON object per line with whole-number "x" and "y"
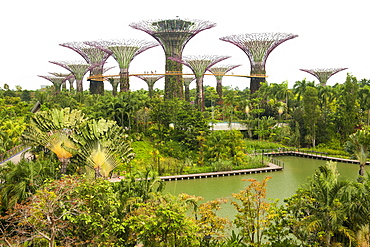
{"x": 173, "y": 84}
{"x": 79, "y": 85}
{"x": 219, "y": 90}
{"x": 199, "y": 100}
{"x": 187, "y": 81}
{"x": 124, "y": 80}
{"x": 114, "y": 82}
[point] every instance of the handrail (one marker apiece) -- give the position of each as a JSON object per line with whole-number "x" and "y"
{"x": 12, "y": 152}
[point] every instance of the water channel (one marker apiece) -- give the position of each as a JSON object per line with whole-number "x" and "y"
{"x": 282, "y": 185}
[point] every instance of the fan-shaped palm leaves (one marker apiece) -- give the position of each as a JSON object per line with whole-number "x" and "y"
{"x": 102, "y": 146}
{"x": 50, "y": 130}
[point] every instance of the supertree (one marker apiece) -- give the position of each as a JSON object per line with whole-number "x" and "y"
{"x": 150, "y": 80}
{"x": 114, "y": 81}
{"x": 323, "y": 75}
{"x": 93, "y": 56}
{"x": 187, "y": 81}
{"x": 199, "y": 65}
{"x": 78, "y": 70}
{"x": 219, "y": 71}
{"x": 123, "y": 51}
{"x": 173, "y": 35}
{"x": 57, "y": 81}
{"x": 258, "y": 47}
{"x": 68, "y": 77}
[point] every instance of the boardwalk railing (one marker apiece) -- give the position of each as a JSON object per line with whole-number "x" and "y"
{"x": 12, "y": 152}
{"x": 277, "y": 162}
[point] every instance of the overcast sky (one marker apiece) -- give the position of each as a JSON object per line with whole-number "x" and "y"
{"x": 332, "y": 34}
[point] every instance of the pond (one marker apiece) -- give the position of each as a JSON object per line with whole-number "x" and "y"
{"x": 282, "y": 185}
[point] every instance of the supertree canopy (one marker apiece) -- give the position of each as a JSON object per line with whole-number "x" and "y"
{"x": 150, "y": 80}
{"x": 219, "y": 71}
{"x": 78, "y": 69}
{"x": 123, "y": 51}
{"x": 258, "y": 47}
{"x": 57, "y": 81}
{"x": 173, "y": 35}
{"x": 187, "y": 81}
{"x": 93, "y": 56}
{"x": 199, "y": 65}
{"x": 323, "y": 75}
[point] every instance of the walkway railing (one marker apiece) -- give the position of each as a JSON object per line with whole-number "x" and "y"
{"x": 12, "y": 152}
{"x": 277, "y": 162}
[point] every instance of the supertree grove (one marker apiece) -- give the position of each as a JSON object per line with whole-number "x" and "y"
{"x": 78, "y": 69}
{"x": 57, "y": 81}
{"x": 123, "y": 51}
{"x": 199, "y": 65}
{"x": 150, "y": 80}
{"x": 173, "y": 35}
{"x": 187, "y": 81}
{"x": 323, "y": 75}
{"x": 219, "y": 72}
{"x": 258, "y": 47}
{"x": 93, "y": 56}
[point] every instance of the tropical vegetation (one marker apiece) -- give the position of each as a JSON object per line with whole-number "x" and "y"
{"x": 80, "y": 141}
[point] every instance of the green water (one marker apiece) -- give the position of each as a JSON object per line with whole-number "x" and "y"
{"x": 282, "y": 185}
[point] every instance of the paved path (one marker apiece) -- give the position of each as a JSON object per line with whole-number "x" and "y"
{"x": 18, "y": 156}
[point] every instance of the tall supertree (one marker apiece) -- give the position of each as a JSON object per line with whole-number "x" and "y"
{"x": 323, "y": 75}
{"x": 78, "y": 70}
{"x": 219, "y": 71}
{"x": 199, "y": 65}
{"x": 150, "y": 80}
{"x": 173, "y": 35}
{"x": 123, "y": 51}
{"x": 57, "y": 81}
{"x": 93, "y": 56}
{"x": 258, "y": 47}
{"x": 187, "y": 81}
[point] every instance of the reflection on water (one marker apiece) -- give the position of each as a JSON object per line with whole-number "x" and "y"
{"x": 282, "y": 185}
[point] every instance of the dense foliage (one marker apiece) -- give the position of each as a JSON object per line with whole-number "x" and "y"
{"x": 60, "y": 199}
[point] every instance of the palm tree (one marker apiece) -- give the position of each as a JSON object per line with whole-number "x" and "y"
{"x": 102, "y": 146}
{"x": 361, "y": 144}
{"x": 21, "y": 180}
{"x": 50, "y": 130}
{"x": 321, "y": 208}
{"x": 300, "y": 87}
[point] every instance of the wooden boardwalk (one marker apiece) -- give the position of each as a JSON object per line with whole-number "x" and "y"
{"x": 270, "y": 168}
{"x": 320, "y": 156}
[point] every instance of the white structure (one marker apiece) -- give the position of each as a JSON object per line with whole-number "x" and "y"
{"x": 226, "y": 126}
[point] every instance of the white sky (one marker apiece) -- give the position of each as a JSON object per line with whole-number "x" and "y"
{"x": 332, "y": 34}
